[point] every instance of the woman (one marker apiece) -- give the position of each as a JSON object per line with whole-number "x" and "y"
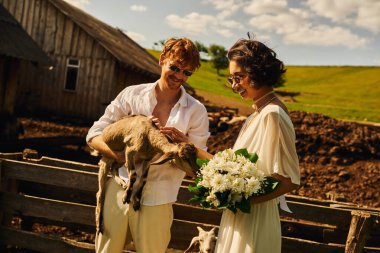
{"x": 268, "y": 131}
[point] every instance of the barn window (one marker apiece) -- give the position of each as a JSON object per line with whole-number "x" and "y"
{"x": 72, "y": 69}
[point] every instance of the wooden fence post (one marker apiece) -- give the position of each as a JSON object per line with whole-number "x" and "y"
{"x": 359, "y": 229}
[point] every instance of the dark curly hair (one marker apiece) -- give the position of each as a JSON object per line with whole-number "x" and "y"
{"x": 258, "y": 60}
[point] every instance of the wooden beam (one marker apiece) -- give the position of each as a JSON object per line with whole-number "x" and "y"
{"x": 62, "y": 211}
{"x": 42, "y": 243}
{"x": 291, "y": 245}
{"x": 359, "y": 230}
{"x": 81, "y": 180}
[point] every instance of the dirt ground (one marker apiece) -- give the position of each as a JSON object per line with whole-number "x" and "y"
{"x": 338, "y": 159}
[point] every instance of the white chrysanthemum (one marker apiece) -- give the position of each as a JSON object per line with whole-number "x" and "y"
{"x": 217, "y": 183}
{"x": 235, "y": 197}
{"x": 238, "y": 185}
{"x": 253, "y": 186}
{"x": 228, "y": 172}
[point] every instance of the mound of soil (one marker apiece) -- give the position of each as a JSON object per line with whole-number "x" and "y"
{"x": 338, "y": 160}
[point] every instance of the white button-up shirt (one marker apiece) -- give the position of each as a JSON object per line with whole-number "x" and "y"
{"x": 188, "y": 115}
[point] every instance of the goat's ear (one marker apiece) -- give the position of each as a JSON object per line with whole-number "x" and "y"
{"x": 194, "y": 242}
{"x": 164, "y": 158}
{"x": 127, "y": 139}
{"x": 200, "y": 229}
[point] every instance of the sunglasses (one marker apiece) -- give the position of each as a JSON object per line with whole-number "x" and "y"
{"x": 174, "y": 68}
{"x": 236, "y": 78}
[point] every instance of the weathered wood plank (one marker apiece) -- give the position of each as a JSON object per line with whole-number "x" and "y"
{"x": 60, "y": 32}
{"x": 320, "y": 214}
{"x": 12, "y": 156}
{"x": 82, "y": 180}
{"x": 42, "y": 243}
{"x": 358, "y": 233}
{"x": 47, "y": 208}
{"x": 291, "y": 245}
{"x": 45, "y": 160}
{"x": 197, "y": 214}
{"x": 58, "y": 193}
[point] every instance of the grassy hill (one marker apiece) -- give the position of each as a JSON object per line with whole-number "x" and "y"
{"x": 342, "y": 92}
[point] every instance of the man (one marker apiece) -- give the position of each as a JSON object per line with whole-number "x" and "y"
{"x": 182, "y": 118}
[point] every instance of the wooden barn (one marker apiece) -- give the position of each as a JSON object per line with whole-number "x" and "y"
{"x": 92, "y": 61}
{"x": 18, "y": 51}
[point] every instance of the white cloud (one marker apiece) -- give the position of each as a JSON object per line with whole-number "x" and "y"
{"x": 79, "y": 3}
{"x": 322, "y": 35}
{"x": 138, "y": 8}
{"x": 193, "y": 23}
{"x": 363, "y": 14}
{"x": 225, "y": 8}
{"x": 220, "y": 23}
{"x": 138, "y": 37}
{"x": 299, "y": 26}
{"x": 266, "y": 7}
{"x": 369, "y": 16}
{"x": 282, "y": 23}
{"x": 336, "y": 10}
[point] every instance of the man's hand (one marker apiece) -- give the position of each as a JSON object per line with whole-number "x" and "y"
{"x": 174, "y": 134}
{"x": 119, "y": 156}
{"x": 171, "y": 132}
{"x": 98, "y": 144}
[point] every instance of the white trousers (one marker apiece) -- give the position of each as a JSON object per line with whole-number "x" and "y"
{"x": 149, "y": 227}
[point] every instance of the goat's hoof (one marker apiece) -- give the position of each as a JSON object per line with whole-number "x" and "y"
{"x": 136, "y": 206}
{"x": 125, "y": 200}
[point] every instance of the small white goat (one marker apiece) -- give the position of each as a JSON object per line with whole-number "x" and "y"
{"x": 205, "y": 239}
{"x": 141, "y": 141}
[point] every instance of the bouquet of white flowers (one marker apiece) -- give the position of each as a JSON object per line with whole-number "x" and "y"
{"x": 229, "y": 179}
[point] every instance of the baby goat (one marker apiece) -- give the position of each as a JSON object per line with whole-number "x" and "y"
{"x": 205, "y": 239}
{"x": 141, "y": 141}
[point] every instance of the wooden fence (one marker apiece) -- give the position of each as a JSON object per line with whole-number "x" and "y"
{"x": 61, "y": 194}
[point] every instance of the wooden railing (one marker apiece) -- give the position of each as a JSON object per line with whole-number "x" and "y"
{"x": 60, "y": 193}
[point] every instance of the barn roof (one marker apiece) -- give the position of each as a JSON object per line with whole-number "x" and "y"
{"x": 113, "y": 40}
{"x": 15, "y": 41}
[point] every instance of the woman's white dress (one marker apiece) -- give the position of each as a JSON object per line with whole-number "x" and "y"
{"x": 271, "y": 135}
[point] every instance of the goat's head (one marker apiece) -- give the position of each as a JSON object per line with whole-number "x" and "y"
{"x": 205, "y": 239}
{"x": 185, "y": 158}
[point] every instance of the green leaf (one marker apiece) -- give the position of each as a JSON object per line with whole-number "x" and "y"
{"x": 201, "y": 162}
{"x": 232, "y": 208}
{"x": 253, "y": 157}
{"x": 197, "y": 180}
{"x": 205, "y": 204}
{"x": 245, "y": 205}
{"x": 243, "y": 152}
{"x": 195, "y": 199}
{"x": 193, "y": 188}
{"x": 274, "y": 185}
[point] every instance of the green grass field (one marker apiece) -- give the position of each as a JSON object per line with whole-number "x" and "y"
{"x": 347, "y": 93}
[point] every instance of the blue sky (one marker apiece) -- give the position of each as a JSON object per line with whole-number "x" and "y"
{"x": 308, "y": 32}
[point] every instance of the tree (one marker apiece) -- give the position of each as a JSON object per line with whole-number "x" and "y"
{"x": 159, "y": 43}
{"x": 218, "y": 56}
{"x": 201, "y": 47}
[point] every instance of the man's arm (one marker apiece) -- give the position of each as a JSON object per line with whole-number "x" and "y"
{"x": 98, "y": 144}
